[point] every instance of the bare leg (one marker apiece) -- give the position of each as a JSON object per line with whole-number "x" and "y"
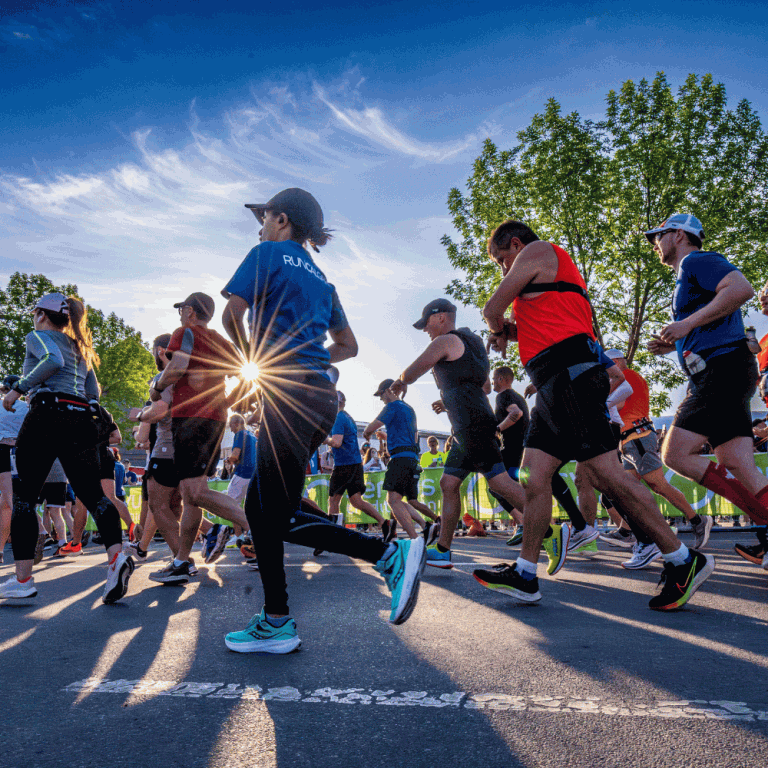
{"x": 167, "y": 522}
{"x": 79, "y": 520}
{"x": 191, "y": 517}
{"x": 358, "y": 502}
{"x": 424, "y": 509}
{"x": 587, "y": 498}
{"x": 195, "y": 492}
{"x": 449, "y": 517}
{"x": 512, "y": 491}
{"x": 6, "y": 500}
{"x": 401, "y": 513}
{"x": 58, "y": 523}
{"x": 537, "y": 513}
{"x": 658, "y": 484}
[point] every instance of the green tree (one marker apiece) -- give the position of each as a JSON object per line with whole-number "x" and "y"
{"x": 595, "y": 187}
{"x": 126, "y": 363}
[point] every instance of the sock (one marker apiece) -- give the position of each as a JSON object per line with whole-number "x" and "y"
{"x": 715, "y": 479}
{"x": 526, "y": 568}
{"x": 442, "y": 549}
{"x": 178, "y": 563}
{"x": 679, "y": 556}
{"x": 549, "y": 532}
{"x": 62, "y": 542}
{"x": 23, "y": 581}
{"x": 696, "y": 520}
{"x": 278, "y": 622}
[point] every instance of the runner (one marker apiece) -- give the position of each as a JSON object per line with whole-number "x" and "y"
{"x": 292, "y": 307}
{"x": 10, "y": 424}
{"x": 552, "y": 323}
{"x": 401, "y": 481}
{"x": 61, "y": 385}
{"x": 708, "y": 336}
{"x": 460, "y": 365}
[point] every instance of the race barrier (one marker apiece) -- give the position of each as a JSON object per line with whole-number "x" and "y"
{"x": 475, "y": 498}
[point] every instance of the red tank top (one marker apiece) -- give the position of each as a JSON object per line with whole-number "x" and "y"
{"x": 553, "y": 316}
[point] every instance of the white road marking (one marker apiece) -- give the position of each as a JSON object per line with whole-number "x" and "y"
{"x": 676, "y": 709}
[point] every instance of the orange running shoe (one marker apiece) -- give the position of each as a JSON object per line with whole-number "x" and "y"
{"x": 69, "y": 549}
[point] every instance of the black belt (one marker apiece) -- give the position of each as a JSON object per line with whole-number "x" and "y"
{"x": 404, "y": 449}
{"x": 644, "y": 426}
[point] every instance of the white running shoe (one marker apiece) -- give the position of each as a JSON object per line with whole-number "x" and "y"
{"x": 581, "y": 539}
{"x": 13, "y": 590}
{"x": 118, "y": 573}
{"x": 642, "y": 556}
{"x": 702, "y": 531}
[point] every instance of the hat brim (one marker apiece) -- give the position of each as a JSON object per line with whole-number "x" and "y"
{"x": 421, "y": 324}
{"x": 258, "y": 210}
{"x": 179, "y": 305}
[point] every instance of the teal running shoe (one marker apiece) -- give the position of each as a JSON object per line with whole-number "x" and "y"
{"x": 517, "y": 537}
{"x": 437, "y": 558}
{"x": 402, "y": 571}
{"x": 261, "y": 637}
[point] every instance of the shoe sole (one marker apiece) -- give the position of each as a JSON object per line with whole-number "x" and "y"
{"x": 265, "y": 646}
{"x": 514, "y": 541}
{"x": 642, "y": 565}
{"x": 219, "y": 546}
{"x": 523, "y": 597}
{"x": 19, "y": 597}
{"x": 446, "y": 566}
{"x": 624, "y": 544}
{"x": 169, "y": 580}
{"x": 698, "y": 580}
{"x": 118, "y": 591}
{"x": 708, "y": 523}
{"x": 574, "y": 547}
{"x": 751, "y": 558}
{"x": 566, "y": 537}
{"x": 414, "y": 568}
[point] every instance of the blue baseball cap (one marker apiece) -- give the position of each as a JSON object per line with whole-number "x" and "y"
{"x": 685, "y": 221}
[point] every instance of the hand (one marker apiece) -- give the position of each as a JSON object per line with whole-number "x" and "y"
{"x": 675, "y": 331}
{"x": 658, "y": 347}
{"x": 10, "y": 399}
{"x": 154, "y": 395}
{"x": 143, "y": 446}
{"x": 530, "y": 390}
{"x": 398, "y": 387}
{"x": 133, "y": 414}
{"x": 438, "y": 406}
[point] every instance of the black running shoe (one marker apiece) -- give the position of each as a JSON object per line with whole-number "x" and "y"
{"x": 252, "y": 563}
{"x": 172, "y": 574}
{"x": 39, "y": 547}
{"x": 85, "y": 539}
{"x": 388, "y": 530}
{"x": 506, "y": 578}
{"x": 680, "y": 582}
{"x": 752, "y": 552}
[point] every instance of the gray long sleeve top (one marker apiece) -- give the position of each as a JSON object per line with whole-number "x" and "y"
{"x": 53, "y": 364}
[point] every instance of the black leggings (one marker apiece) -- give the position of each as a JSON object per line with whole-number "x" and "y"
{"x": 640, "y": 534}
{"x": 65, "y": 431}
{"x": 295, "y": 421}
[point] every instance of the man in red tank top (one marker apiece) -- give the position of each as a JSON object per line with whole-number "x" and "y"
{"x": 552, "y": 323}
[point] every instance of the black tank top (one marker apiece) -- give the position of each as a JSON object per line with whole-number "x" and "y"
{"x": 461, "y": 384}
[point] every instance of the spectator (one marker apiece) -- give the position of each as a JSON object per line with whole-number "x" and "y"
{"x": 760, "y": 431}
{"x": 372, "y": 461}
{"x": 433, "y": 457}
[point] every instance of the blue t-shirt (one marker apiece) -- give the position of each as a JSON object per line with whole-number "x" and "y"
{"x": 349, "y": 452}
{"x": 246, "y": 442}
{"x": 698, "y": 276}
{"x": 292, "y": 305}
{"x": 119, "y": 480}
{"x": 400, "y": 420}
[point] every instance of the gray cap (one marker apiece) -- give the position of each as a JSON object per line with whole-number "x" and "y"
{"x": 438, "y": 305}
{"x": 53, "y": 302}
{"x": 202, "y": 303}
{"x": 297, "y": 204}
{"x": 383, "y": 387}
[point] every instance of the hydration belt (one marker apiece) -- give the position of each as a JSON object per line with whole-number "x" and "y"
{"x": 404, "y": 449}
{"x": 70, "y": 402}
{"x": 640, "y": 426}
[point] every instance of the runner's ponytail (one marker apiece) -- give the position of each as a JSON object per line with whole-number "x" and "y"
{"x": 80, "y": 333}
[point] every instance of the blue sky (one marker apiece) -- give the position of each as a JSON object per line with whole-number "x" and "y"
{"x": 133, "y": 133}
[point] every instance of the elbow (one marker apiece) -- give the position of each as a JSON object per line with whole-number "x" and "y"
{"x": 353, "y": 348}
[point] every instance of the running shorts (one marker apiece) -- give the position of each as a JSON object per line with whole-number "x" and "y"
{"x": 403, "y": 477}
{"x": 570, "y": 419}
{"x": 163, "y": 472}
{"x": 196, "y": 444}
{"x": 475, "y": 450}
{"x": 347, "y": 477}
{"x": 106, "y": 463}
{"x": 717, "y": 405}
{"x": 144, "y": 478}
{"x": 641, "y": 454}
{"x": 5, "y": 458}
{"x": 53, "y": 495}
{"x": 70, "y": 494}
{"x": 238, "y": 488}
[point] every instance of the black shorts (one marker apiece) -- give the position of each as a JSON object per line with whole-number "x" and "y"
{"x": 144, "y": 478}
{"x": 53, "y": 495}
{"x": 475, "y": 450}
{"x": 196, "y": 444}
{"x": 5, "y": 458}
{"x": 70, "y": 494}
{"x": 717, "y": 405}
{"x": 403, "y": 477}
{"x": 106, "y": 463}
{"x": 570, "y": 418}
{"x": 163, "y": 472}
{"x": 347, "y": 477}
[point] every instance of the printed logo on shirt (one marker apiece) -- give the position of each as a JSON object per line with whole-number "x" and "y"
{"x": 299, "y": 262}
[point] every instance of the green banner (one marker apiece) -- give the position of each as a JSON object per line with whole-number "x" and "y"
{"x": 475, "y": 498}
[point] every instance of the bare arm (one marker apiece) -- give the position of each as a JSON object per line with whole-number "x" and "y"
{"x": 150, "y": 414}
{"x": 344, "y": 345}
{"x": 514, "y": 414}
{"x": 334, "y": 441}
{"x": 371, "y": 428}
{"x": 174, "y": 371}
{"x": 115, "y": 438}
{"x": 448, "y": 347}
{"x": 487, "y": 387}
{"x": 232, "y": 320}
{"x": 616, "y": 377}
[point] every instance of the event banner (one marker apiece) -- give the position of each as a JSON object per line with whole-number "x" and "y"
{"x": 475, "y": 497}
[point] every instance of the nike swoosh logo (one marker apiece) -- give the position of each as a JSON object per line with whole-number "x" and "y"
{"x": 684, "y": 587}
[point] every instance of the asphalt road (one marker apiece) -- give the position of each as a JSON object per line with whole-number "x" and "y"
{"x": 589, "y": 677}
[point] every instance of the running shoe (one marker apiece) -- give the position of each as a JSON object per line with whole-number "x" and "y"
{"x": 642, "y": 556}
{"x": 39, "y": 547}
{"x": 96, "y": 538}
{"x": 476, "y": 529}
{"x": 517, "y": 537}
{"x": 220, "y": 543}
{"x": 431, "y": 533}
{"x": 317, "y": 552}
{"x": 702, "y": 531}
{"x": 248, "y": 551}
{"x": 192, "y": 567}
{"x": 556, "y": 547}
{"x": 12, "y": 590}
{"x": 388, "y": 530}
{"x": 252, "y": 563}
{"x": 232, "y": 541}
{"x": 581, "y": 539}
{"x": 70, "y": 549}
{"x": 680, "y": 582}
{"x": 139, "y": 555}
{"x": 118, "y": 573}
{"x": 402, "y": 571}
{"x": 506, "y": 578}
{"x": 261, "y": 637}
{"x": 752, "y": 552}
{"x": 209, "y": 541}
{"x": 765, "y": 562}
{"x": 85, "y": 538}
{"x": 172, "y": 574}
{"x": 618, "y": 538}
{"x": 437, "y": 558}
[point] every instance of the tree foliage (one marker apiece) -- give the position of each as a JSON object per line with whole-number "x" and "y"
{"x": 595, "y": 187}
{"x": 126, "y": 363}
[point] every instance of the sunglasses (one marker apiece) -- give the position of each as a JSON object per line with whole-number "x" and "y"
{"x": 657, "y": 237}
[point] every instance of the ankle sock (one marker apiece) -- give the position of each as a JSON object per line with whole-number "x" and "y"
{"x": 441, "y": 548}
{"x": 696, "y": 520}
{"x": 23, "y": 581}
{"x": 278, "y": 622}
{"x": 679, "y": 556}
{"x": 549, "y": 532}
{"x": 526, "y": 568}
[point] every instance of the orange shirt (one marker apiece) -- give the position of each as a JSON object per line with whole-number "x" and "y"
{"x": 637, "y": 405}
{"x": 552, "y": 316}
{"x": 762, "y": 358}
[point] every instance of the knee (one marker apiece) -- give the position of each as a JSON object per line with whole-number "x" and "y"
{"x": 449, "y": 484}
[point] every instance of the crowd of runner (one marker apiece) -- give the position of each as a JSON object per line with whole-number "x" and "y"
{"x": 589, "y": 406}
